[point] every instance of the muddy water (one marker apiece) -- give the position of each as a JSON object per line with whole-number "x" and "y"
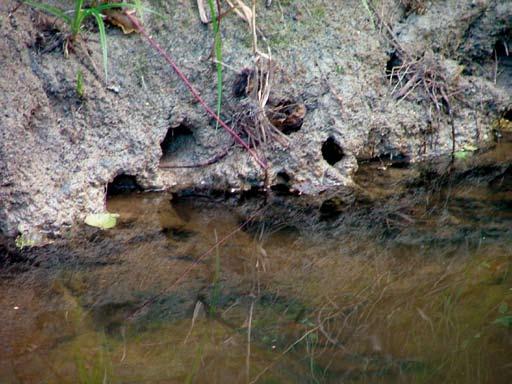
{"x": 409, "y": 283}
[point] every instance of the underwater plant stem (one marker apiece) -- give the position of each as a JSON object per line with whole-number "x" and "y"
{"x": 249, "y": 331}
{"x": 194, "y": 92}
{"x": 290, "y": 347}
{"x": 152, "y": 299}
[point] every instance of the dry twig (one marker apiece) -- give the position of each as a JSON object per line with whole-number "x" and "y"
{"x": 424, "y": 75}
{"x": 253, "y": 120}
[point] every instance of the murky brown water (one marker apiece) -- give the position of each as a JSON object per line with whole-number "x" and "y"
{"x": 416, "y": 288}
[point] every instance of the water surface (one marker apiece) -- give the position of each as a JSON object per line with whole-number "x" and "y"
{"x": 409, "y": 283}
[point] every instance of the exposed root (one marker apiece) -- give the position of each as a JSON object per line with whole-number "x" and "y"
{"x": 415, "y": 6}
{"x": 253, "y": 119}
{"x": 429, "y": 77}
{"x": 422, "y": 75}
{"x": 202, "y": 12}
{"x": 48, "y": 36}
{"x": 252, "y": 123}
{"x": 256, "y": 84}
{"x": 430, "y": 80}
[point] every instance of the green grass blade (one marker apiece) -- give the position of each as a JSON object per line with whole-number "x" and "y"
{"x": 218, "y": 55}
{"x": 57, "y": 12}
{"x": 103, "y": 38}
{"x": 366, "y": 6}
{"x": 78, "y": 17}
{"x": 80, "y": 88}
{"x": 197, "y": 362}
{"x": 139, "y": 8}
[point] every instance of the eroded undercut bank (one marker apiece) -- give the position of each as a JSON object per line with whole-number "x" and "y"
{"x": 314, "y": 91}
{"x": 121, "y": 184}
{"x": 332, "y": 151}
{"x": 176, "y": 142}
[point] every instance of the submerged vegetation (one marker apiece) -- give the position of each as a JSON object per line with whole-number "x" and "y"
{"x": 416, "y": 290}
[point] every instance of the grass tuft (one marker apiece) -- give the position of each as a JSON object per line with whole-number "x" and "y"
{"x": 218, "y": 52}
{"x": 80, "y": 14}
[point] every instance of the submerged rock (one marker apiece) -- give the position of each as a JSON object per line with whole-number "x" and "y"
{"x": 346, "y": 85}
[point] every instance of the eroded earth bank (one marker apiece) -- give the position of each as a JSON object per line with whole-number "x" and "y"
{"x": 348, "y": 81}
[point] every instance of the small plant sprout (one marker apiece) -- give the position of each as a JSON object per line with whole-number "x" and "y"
{"x": 80, "y": 89}
{"x": 24, "y": 241}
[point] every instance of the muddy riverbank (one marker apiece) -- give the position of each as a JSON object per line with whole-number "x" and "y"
{"x": 395, "y": 79}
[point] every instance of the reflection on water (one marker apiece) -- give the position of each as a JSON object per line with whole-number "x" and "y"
{"x": 414, "y": 289}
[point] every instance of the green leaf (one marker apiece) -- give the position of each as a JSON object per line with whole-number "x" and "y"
{"x": 506, "y": 321}
{"x": 461, "y": 155}
{"x": 78, "y": 17}
{"x": 465, "y": 152}
{"x": 103, "y": 39}
{"x": 503, "y": 308}
{"x": 23, "y": 241}
{"x": 57, "y": 12}
{"x": 104, "y": 220}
